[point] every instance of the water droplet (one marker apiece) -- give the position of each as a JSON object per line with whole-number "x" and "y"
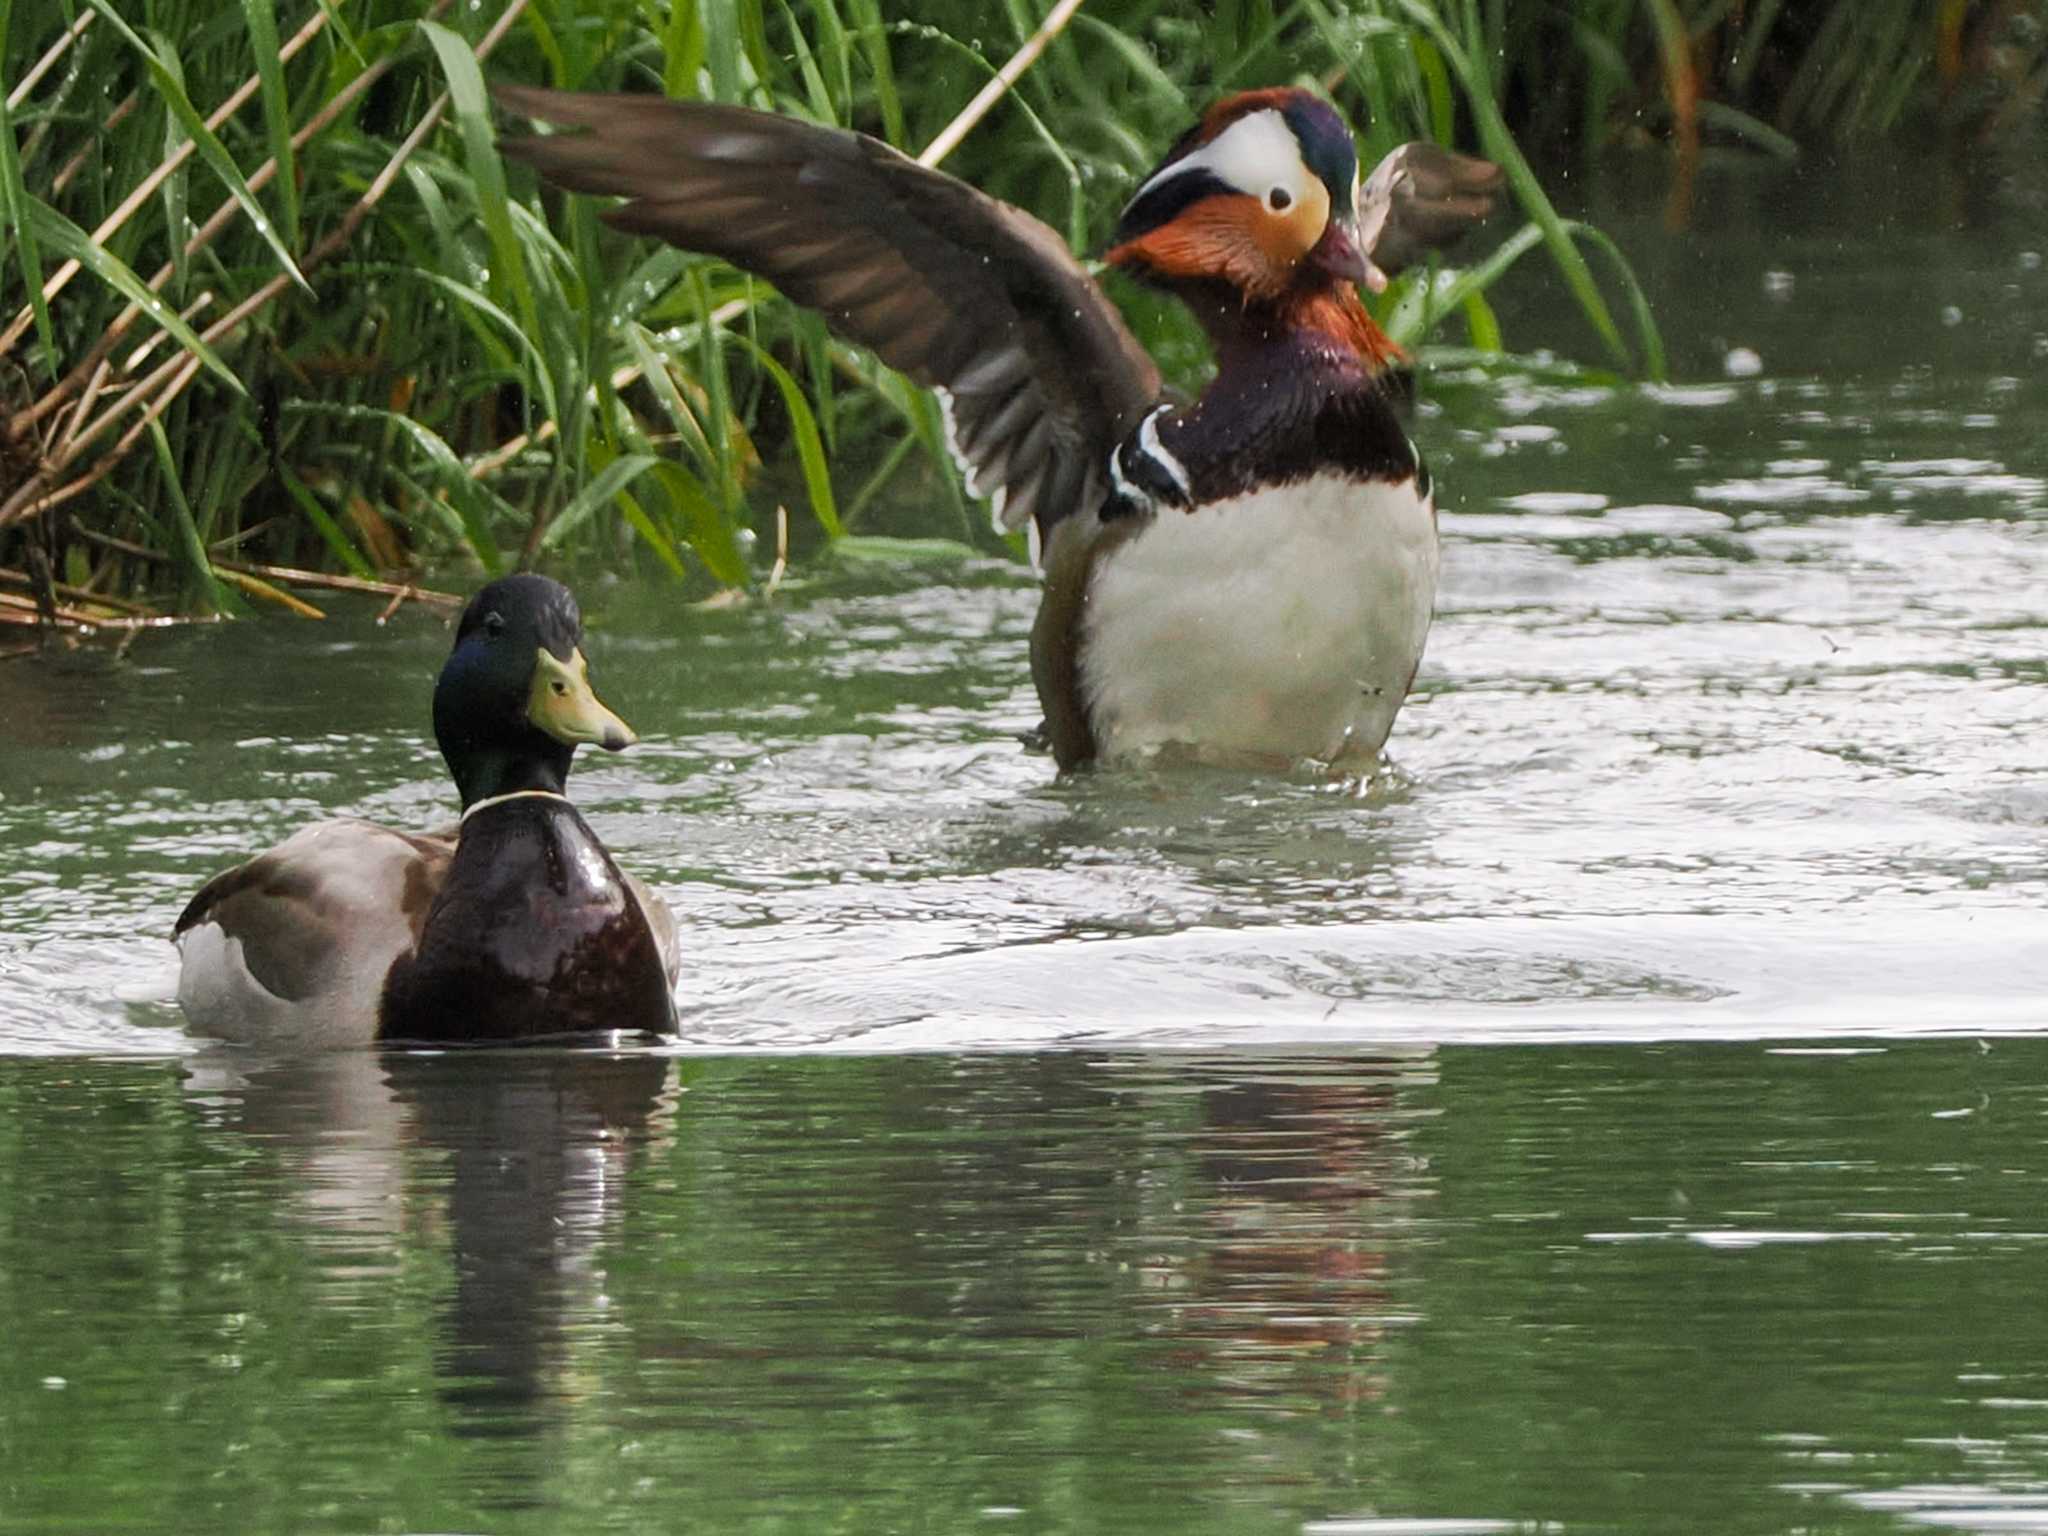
{"x": 1951, "y": 315}
{"x": 1742, "y": 363}
{"x": 1778, "y": 284}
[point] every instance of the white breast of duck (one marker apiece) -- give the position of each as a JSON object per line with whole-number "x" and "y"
{"x": 1287, "y": 620}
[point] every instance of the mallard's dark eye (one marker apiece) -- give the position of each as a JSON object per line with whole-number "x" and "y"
{"x": 494, "y": 623}
{"x": 1278, "y": 199}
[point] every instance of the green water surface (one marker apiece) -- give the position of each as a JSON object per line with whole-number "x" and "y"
{"x": 1581, "y": 1288}
{"x": 1627, "y": 1113}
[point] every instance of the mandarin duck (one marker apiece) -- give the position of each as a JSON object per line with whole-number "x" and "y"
{"x": 1249, "y": 575}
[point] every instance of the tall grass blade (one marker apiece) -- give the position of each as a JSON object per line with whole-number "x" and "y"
{"x": 480, "y": 158}
{"x": 1654, "y": 364}
{"x": 723, "y": 51}
{"x": 818, "y": 97}
{"x": 469, "y": 499}
{"x": 210, "y": 148}
{"x": 52, "y": 229}
{"x": 471, "y": 301}
{"x": 1436, "y": 83}
{"x": 810, "y": 447}
{"x": 177, "y": 145}
{"x": 219, "y": 599}
{"x": 655, "y": 372}
{"x": 14, "y": 207}
{"x": 1481, "y": 324}
{"x": 682, "y": 49}
{"x": 261, "y": 18}
{"x": 1139, "y": 60}
{"x": 1500, "y": 146}
{"x": 1739, "y": 124}
{"x": 652, "y": 534}
{"x": 708, "y": 529}
{"x": 329, "y": 530}
{"x": 610, "y": 481}
{"x": 874, "y": 37}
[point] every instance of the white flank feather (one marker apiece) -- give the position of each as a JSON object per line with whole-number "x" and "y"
{"x": 1285, "y": 622}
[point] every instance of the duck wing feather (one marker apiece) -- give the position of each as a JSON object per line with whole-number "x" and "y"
{"x": 294, "y": 945}
{"x": 1420, "y": 198}
{"x": 966, "y": 294}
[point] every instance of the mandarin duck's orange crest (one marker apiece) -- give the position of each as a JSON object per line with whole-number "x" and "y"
{"x": 1259, "y": 194}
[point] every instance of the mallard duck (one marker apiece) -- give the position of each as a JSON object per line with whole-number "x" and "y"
{"x": 1251, "y": 574}
{"x": 513, "y": 925}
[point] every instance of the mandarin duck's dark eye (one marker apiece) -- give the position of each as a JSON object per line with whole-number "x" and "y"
{"x": 494, "y": 623}
{"x": 1278, "y": 199}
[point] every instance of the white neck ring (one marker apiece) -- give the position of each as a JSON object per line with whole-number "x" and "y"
{"x": 517, "y": 794}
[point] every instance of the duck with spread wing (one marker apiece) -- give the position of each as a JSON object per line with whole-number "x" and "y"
{"x": 1252, "y": 574}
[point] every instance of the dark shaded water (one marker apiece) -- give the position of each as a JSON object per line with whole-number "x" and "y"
{"x": 1127, "y": 1153}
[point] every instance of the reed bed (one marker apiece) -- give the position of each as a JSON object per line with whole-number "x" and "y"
{"x": 277, "y": 318}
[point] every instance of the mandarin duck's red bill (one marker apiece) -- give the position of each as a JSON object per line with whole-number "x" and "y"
{"x": 1249, "y": 574}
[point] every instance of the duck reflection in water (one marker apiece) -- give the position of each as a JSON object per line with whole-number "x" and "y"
{"x": 1276, "y": 1288}
{"x": 517, "y": 1159}
{"x": 538, "y": 1148}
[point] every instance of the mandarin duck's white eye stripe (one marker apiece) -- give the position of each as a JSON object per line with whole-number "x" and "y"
{"x": 1160, "y": 454}
{"x": 1255, "y": 154}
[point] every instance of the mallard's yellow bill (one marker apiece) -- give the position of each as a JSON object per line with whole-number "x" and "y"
{"x": 561, "y": 703}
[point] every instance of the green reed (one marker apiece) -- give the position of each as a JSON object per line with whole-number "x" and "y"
{"x": 332, "y": 330}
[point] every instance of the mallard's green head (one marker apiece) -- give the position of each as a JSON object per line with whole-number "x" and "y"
{"x": 514, "y": 699}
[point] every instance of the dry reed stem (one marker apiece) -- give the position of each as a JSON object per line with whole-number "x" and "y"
{"x": 86, "y": 402}
{"x": 24, "y": 612}
{"x": 781, "y": 551}
{"x": 949, "y": 138}
{"x": 257, "y": 587}
{"x": 398, "y": 591}
{"x": 22, "y": 579}
{"x": 43, "y": 66}
{"x": 182, "y": 370}
{"x": 146, "y": 188}
{"x": 285, "y": 575}
{"x": 170, "y": 379}
{"x": 223, "y": 216}
{"x": 398, "y": 601}
{"x": 84, "y": 154}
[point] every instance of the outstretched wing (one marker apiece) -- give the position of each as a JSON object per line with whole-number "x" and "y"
{"x": 963, "y": 293}
{"x": 1421, "y": 197}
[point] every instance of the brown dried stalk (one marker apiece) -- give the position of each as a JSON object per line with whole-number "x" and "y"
{"x": 285, "y": 575}
{"x": 160, "y": 388}
{"x": 146, "y": 188}
{"x": 27, "y": 583}
{"x": 48, "y": 61}
{"x": 223, "y": 216}
{"x": 23, "y": 613}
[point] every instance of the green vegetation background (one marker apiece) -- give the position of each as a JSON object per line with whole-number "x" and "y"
{"x": 318, "y": 324}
